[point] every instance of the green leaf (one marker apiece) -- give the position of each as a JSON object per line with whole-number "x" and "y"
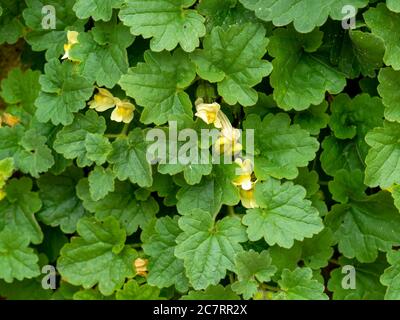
{"x": 217, "y": 292}
{"x": 168, "y": 23}
{"x": 296, "y": 67}
{"x": 6, "y": 170}
{"x": 393, "y": 5}
{"x": 383, "y": 167}
{"x": 232, "y": 57}
{"x": 18, "y": 209}
{"x": 224, "y": 13}
{"x": 280, "y": 148}
{"x": 390, "y": 277}
{"x": 313, "y": 119}
{"x": 355, "y": 117}
{"x": 193, "y": 168}
{"x": 17, "y": 260}
{"x": 158, "y": 85}
{"x": 299, "y": 285}
{"x": 396, "y": 196}
{"x": 364, "y": 227}
{"x": 102, "y": 54}
{"x": 309, "y": 180}
{"x": 384, "y": 24}
{"x": 252, "y": 267}
{"x": 339, "y": 154}
{"x": 11, "y": 26}
{"x": 165, "y": 269}
{"x": 367, "y": 282}
{"x": 61, "y": 206}
{"x": 34, "y": 156}
{"x": 305, "y": 14}
{"x": 88, "y": 294}
{"x": 316, "y": 252}
{"x": 98, "y": 256}
{"x": 51, "y": 40}
{"x": 101, "y": 183}
{"x": 9, "y": 140}
{"x": 208, "y": 247}
{"x": 132, "y": 291}
{"x": 284, "y": 215}
{"x": 347, "y": 185}
{"x": 353, "y": 52}
{"x": 97, "y": 9}
{"x": 22, "y": 88}
{"x": 211, "y": 193}
{"x": 129, "y": 159}
{"x": 28, "y": 149}
{"x": 389, "y": 89}
{"x": 121, "y": 204}
{"x": 64, "y": 92}
{"x": 28, "y": 289}
{"x": 73, "y": 141}
{"x": 98, "y": 148}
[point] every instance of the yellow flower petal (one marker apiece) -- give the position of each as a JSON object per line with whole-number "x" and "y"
{"x": 2, "y": 194}
{"x": 9, "y": 119}
{"x": 72, "y": 37}
{"x": 123, "y": 112}
{"x": 103, "y": 100}
{"x": 247, "y": 198}
{"x": 208, "y": 112}
{"x": 244, "y": 180}
{"x": 141, "y": 266}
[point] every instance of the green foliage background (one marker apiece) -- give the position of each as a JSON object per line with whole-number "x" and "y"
{"x": 325, "y": 106}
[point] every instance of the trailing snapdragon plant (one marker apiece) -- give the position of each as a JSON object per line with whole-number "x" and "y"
{"x": 300, "y": 182}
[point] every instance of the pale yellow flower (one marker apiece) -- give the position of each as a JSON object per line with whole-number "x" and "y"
{"x": 228, "y": 143}
{"x": 2, "y": 194}
{"x": 141, "y": 266}
{"x": 244, "y": 179}
{"x": 208, "y": 112}
{"x": 9, "y": 119}
{"x": 123, "y": 112}
{"x": 103, "y": 100}
{"x": 247, "y": 198}
{"x": 72, "y": 37}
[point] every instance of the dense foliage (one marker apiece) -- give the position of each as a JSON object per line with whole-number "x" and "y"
{"x": 78, "y": 192}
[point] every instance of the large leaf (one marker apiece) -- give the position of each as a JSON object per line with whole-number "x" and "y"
{"x": 233, "y": 59}
{"x": 208, "y": 247}
{"x": 64, "y": 92}
{"x": 167, "y": 22}
{"x": 305, "y": 14}
{"x": 280, "y": 148}
{"x": 158, "y": 85}
{"x": 165, "y": 269}
{"x": 97, "y": 256}
{"x": 284, "y": 215}
{"x": 296, "y": 67}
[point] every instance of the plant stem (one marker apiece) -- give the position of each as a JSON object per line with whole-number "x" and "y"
{"x": 231, "y": 211}
{"x": 270, "y": 288}
{"x": 123, "y": 133}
